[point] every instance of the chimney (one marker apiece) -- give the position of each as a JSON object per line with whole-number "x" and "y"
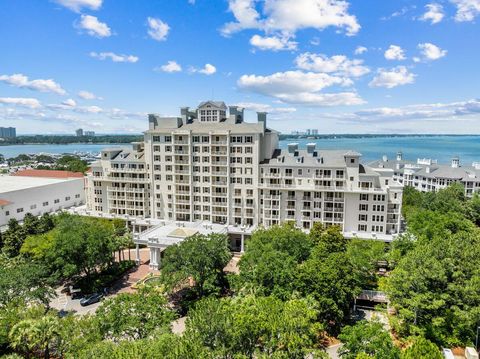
{"x": 292, "y": 148}
{"x": 262, "y": 118}
{"x": 455, "y": 162}
{"x": 311, "y": 148}
{"x": 237, "y": 112}
{"x": 399, "y": 156}
{"x": 384, "y": 158}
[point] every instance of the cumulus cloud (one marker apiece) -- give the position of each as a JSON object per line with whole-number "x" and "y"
{"x": 170, "y": 66}
{"x": 467, "y": 10}
{"x": 301, "y": 88}
{"x": 289, "y": 16}
{"x": 261, "y": 107}
{"x": 391, "y": 78}
{"x": 338, "y": 64}
{"x": 93, "y": 27}
{"x": 21, "y": 101}
{"x": 114, "y": 57}
{"x": 431, "y": 52}
{"x": 208, "y": 70}
{"x": 432, "y": 111}
{"x": 86, "y": 95}
{"x": 78, "y": 5}
{"x": 360, "y": 50}
{"x": 22, "y": 81}
{"x": 157, "y": 29}
{"x": 394, "y": 52}
{"x": 274, "y": 43}
{"x": 69, "y": 102}
{"x": 434, "y": 13}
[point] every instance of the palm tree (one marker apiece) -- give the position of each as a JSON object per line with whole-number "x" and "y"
{"x": 36, "y": 336}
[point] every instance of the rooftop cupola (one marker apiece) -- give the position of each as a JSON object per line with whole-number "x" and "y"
{"x": 455, "y": 162}
{"x": 399, "y": 156}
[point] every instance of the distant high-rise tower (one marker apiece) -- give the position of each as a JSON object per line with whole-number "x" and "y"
{"x": 79, "y": 132}
{"x": 8, "y": 132}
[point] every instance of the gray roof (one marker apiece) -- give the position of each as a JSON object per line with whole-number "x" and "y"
{"x": 319, "y": 158}
{"x": 435, "y": 170}
{"x": 217, "y": 104}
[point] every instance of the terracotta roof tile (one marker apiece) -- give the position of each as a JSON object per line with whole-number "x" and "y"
{"x": 4, "y": 202}
{"x": 48, "y": 174}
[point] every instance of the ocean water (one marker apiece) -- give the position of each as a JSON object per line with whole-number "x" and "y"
{"x": 441, "y": 148}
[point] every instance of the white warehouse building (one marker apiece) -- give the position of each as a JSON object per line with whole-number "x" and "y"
{"x": 38, "y": 192}
{"x": 210, "y": 166}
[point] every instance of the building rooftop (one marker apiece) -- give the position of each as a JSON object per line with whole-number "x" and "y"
{"x": 48, "y": 174}
{"x": 302, "y": 158}
{"x": 18, "y": 183}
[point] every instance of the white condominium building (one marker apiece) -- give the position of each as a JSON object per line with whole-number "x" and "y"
{"x": 429, "y": 176}
{"x": 210, "y": 166}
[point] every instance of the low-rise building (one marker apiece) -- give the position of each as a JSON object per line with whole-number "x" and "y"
{"x": 38, "y": 192}
{"x": 209, "y": 165}
{"x": 427, "y": 175}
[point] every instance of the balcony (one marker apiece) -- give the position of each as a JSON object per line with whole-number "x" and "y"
{"x": 219, "y": 163}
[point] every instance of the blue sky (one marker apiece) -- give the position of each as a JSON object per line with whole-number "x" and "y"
{"x": 358, "y": 66}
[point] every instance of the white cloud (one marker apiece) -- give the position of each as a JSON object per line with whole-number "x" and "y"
{"x": 93, "y": 27}
{"x": 392, "y": 78}
{"x": 208, "y": 69}
{"x": 86, "y": 95}
{"x": 22, "y": 81}
{"x": 431, "y": 52}
{"x": 467, "y": 10}
{"x": 434, "y": 13}
{"x": 157, "y": 29}
{"x": 338, "y": 64}
{"x": 437, "y": 111}
{"x": 274, "y": 43}
{"x": 69, "y": 102}
{"x": 261, "y": 107}
{"x": 21, "y": 101}
{"x": 289, "y": 16}
{"x": 170, "y": 66}
{"x": 360, "y": 50}
{"x": 114, "y": 57}
{"x": 394, "y": 52}
{"x": 301, "y": 88}
{"x": 78, "y": 5}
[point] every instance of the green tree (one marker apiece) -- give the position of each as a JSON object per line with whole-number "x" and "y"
{"x": 13, "y": 238}
{"x": 201, "y": 258}
{"x": 130, "y": 316}
{"x": 422, "y": 348}
{"x": 36, "y": 337}
{"x": 255, "y": 327}
{"x": 329, "y": 239}
{"x": 367, "y": 338}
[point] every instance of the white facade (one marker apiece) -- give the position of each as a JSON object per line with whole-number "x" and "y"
{"x": 21, "y": 195}
{"x": 216, "y": 168}
{"x": 428, "y": 175}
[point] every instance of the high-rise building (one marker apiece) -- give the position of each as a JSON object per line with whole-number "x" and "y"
{"x": 314, "y": 132}
{"x": 89, "y": 133}
{"x": 79, "y": 132}
{"x": 212, "y": 167}
{"x": 8, "y": 132}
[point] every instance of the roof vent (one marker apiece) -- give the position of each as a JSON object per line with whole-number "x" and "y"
{"x": 292, "y": 148}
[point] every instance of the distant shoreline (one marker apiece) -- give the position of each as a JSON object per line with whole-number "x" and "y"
{"x": 126, "y": 139}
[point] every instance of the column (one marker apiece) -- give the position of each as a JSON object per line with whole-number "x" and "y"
{"x": 137, "y": 254}
{"x": 242, "y": 243}
{"x": 159, "y": 257}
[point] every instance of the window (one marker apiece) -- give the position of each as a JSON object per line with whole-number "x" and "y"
{"x": 45, "y": 204}
{"x": 67, "y": 198}
{"x": 19, "y": 210}
{"x": 33, "y": 206}
{"x": 56, "y": 201}
{"x": 7, "y": 213}
{"x": 168, "y": 139}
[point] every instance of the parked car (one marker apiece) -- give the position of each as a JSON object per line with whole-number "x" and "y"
{"x": 90, "y": 299}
